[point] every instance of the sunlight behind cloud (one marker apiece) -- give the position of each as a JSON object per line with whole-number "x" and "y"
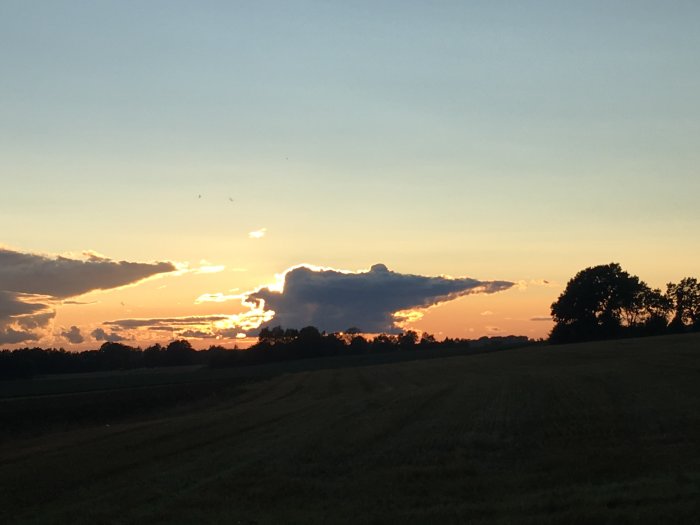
{"x": 376, "y": 300}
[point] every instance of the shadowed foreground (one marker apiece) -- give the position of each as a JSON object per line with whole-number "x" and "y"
{"x": 589, "y": 433}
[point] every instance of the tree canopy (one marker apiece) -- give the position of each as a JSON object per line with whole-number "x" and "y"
{"x": 602, "y": 301}
{"x": 684, "y": 300}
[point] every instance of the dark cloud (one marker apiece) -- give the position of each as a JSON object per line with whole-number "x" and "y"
{"x": 61, "y": 277}
{"x": 21, "y": 314}
{"x": 333, "y": 300}
{"x": 73, "y": 335}
{"x": 11, "y": 336}
{"x": 100, "y": 335}
{"x": 541, "y": 318}
{"x": 17, "y": 304}
{"x": 31, "y": 285}
{"x": 33, "y": 322}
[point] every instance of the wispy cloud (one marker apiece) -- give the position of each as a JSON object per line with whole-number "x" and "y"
{"x": 219, "y": 326}
{"x": 167, "y": 322}
{"x": 217, "y": 297}
{"x": 210, "y": 269}
{"x": 524, "y": 284}
{"x": 258, "y": 234}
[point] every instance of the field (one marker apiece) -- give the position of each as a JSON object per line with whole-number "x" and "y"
{"x": 589, "y": 433}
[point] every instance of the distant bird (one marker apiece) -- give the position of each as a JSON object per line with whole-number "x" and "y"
{"x": 230, "y": 199}
{"x": 200, "y": 196}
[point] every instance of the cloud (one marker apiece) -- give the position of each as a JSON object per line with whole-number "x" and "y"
{"x": 31, "y": 285}
{"x": 524, "y": 284}
{"x": 73, "y": 335}
{"x": 13, "y": 304}
{"x": 332, "y": 300}
{"x": 258, "y": 234}
{"x": 100, "y": 335}
{"x": 12, "y": 336}
{"x": 21, "y": 315}
{"x": 216, "y": 297}
{"x": 196, "y": 334}
{"x": 541, "y": 318}
{"x": 197, "y": 326}
{"x": 166, "y": 323}
{"x": 61, "y": 277}
{"x": 486, "y": 313}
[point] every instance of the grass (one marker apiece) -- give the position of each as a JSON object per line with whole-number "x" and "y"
{"x": 590, "y": 433}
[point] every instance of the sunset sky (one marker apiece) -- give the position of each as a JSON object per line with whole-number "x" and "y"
{"x": 220, "y": 144}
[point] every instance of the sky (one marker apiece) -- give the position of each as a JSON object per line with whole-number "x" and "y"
{"x": 222, "y": 145}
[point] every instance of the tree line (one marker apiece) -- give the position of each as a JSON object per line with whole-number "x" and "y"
{"x": 274, "y": 344}
{"x": 606, "y": 302}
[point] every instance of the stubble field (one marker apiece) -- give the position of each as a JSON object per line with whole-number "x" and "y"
{"x": 590, "y": 433}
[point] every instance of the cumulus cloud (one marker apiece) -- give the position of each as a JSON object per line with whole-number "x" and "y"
{"x": 100, "y": 335}
{"x": 332, "y": 300}
{"x": 31, "y": 285}
{"x": 258, "y": 234}
{"x": 73, "y": 335}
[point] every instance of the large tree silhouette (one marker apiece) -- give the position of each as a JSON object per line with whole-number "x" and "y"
{"x": 601, "y": 301}
{"x": 684, "y": 299}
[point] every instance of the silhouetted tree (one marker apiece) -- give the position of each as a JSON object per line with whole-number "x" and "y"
{"x": 408, "y": 339}
{"x": 427, "y": 340}
{"x": 684, "y": 299}
{"x": 359, "y": 345}
{"x": 180, "y": 352}
{"x": 599, "y": 301}
{"x": 115, "y": 355}
{"x": 271, "y": 335}
{"x": 384, "y": 343}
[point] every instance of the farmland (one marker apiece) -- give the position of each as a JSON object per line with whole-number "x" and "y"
{"x": 585, "y": 433}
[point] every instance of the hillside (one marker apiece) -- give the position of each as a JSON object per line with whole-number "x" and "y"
{"x": 586, "y": 433}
